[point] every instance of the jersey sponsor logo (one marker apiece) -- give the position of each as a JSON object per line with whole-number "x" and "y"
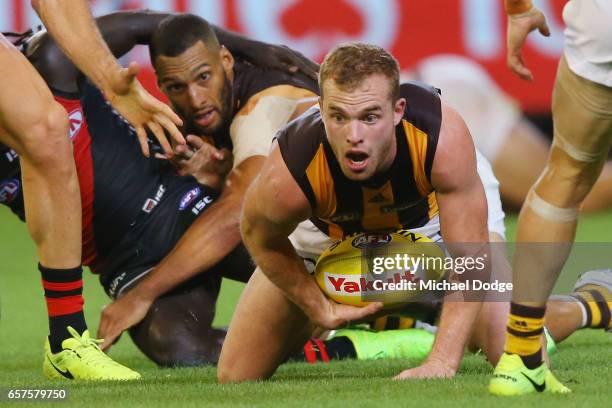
{"x": 371, "y": 241}
{"x": 151, "y": 203}
{"x": 9, "y": 190}
{"x": 200, "y": 205}
{"x": 75, "y": 119}
{"x": 189, "y": 197}
{"x": 344, "y": 217}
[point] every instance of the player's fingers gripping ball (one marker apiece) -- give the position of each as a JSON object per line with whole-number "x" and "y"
{"x": 392, "y": 268}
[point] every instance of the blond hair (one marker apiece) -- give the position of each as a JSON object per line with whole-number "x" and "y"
{"x": 351, "y": 63}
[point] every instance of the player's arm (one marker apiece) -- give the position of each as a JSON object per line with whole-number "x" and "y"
{"x": 123, "y": 30}
{"x": 217, "y": 228}
{"x": 274, "y": 206}
{"x": 212, "y": 236}
{"x": 463, "y": 219}
{"x": 72, "y": 26}
{"x": 523, "y": 18}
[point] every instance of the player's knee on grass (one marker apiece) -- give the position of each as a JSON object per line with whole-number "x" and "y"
{"x": 231, "y": 373}
{"x": 178, "y": 330}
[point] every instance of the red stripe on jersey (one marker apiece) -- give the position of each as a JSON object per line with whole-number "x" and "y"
{"x": 81, "y": 140}
{"x": 64, "y": 305}
{"x": 62, "y": 286}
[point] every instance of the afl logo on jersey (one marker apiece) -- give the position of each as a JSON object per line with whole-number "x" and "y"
{"x": 189, "y": 197}
{"x": 9, "y": 190}
{"x": 75, "y": 118}
{"x": 371, "y": 241}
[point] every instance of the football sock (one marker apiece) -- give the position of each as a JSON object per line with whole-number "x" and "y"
{"x": 391, "y": 322}
{"x": 596, "y": 302}
{"x": 316, "y": 350}
{"x": 524, "y": 333}
{"x": 64, "y": 297}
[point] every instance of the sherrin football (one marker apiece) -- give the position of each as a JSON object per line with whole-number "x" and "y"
{"x": 387, "y": 267}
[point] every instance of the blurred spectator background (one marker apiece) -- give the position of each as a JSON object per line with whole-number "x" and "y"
{"x": 411, "y": 29}
{"x": 456, "y": 45}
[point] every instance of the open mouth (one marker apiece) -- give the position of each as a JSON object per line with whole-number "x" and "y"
{"x": 356, "y": 160}
{"x": 204, "y": 118}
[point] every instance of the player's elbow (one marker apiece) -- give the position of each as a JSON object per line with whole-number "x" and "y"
{"x": 246, "y": 226}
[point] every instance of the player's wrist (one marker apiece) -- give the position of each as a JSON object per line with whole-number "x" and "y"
{"x": 450, "y": 366}
{"x": 144, "y": 292}
{"x": 516, "y": 8}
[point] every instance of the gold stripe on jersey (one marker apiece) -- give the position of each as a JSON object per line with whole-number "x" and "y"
{"x": 374, "y": 199}
{"x": 322, "y": 184}
{"x": 417, "y": 140}
{"x": 335, "y": 232}
{"x": 433, "y": 205}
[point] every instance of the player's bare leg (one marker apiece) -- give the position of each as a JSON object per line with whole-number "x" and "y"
{"x": 530, "y": 147}
{"x": 548, "y": 220}
{"x": 265, "y": 330}
{"x": 36, "y": 127}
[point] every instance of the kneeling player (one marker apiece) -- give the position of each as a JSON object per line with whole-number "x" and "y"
{"x": 324, "y": 178}
{"x": 373, "y": 158}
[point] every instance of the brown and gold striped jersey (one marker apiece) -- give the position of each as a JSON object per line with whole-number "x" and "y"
{"x": 402, "y": 197}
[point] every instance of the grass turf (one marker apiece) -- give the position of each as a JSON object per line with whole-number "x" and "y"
{"x": 583, "y": 362}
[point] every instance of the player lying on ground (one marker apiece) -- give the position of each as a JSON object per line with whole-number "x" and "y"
{"x": 36, "y": 130}
{"x": 136, "y": 208}
{"x": 234, "y": 104}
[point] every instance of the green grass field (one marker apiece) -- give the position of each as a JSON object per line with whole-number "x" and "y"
{"x": 584, "y": 362}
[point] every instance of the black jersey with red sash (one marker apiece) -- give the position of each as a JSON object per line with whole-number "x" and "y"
{"x": 120, "y": 187}
{"x": 404, "y": 197}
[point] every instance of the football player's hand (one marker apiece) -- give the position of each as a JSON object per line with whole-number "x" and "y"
{"x": 141, "y": 109}
{"x": 120, "y": 315}
{"x": 429, "y": 369}
{"x": 336, "y": 315}
{"x": 518, "y": 29}
{"x": 203, "y": 161}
